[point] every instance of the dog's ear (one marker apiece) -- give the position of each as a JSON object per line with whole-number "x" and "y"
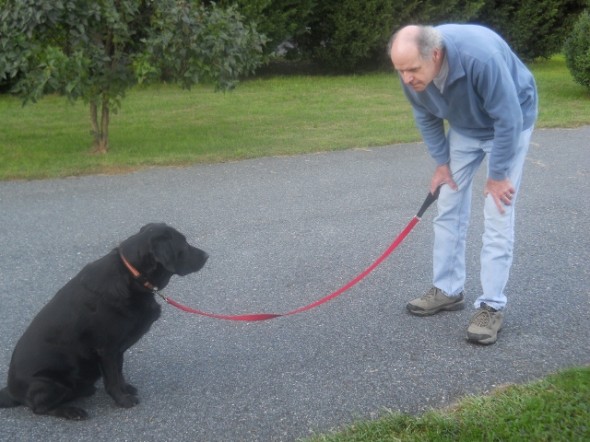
{"x": 164, "y": 251}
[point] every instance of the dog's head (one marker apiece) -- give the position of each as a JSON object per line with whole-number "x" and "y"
{"x": 159, "y": 251}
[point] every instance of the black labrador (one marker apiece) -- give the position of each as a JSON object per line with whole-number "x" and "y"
{"x": 83, "y": 332}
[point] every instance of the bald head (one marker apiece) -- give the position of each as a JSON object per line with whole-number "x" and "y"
{"x": 424, "y": 39}
{"x": 404, "y": 39}
{"x": 416, "y": 53}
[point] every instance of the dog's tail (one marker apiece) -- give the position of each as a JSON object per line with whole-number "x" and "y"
{"x": 6, "y": 399}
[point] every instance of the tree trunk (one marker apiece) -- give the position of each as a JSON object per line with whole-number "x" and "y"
{"x": 100, "y": 129}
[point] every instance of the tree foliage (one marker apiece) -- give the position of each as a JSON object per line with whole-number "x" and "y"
{"x": 278, "y": 20}
{"x": 348, "y": 34}
{"x": 97, "y": 50}
{"x": 577, "y": 50}
{"x": 534, "y": 28}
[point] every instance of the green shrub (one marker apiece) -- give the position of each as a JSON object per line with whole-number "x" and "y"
{"x": 577, "y": 50}
{"x": 533, "y": 28}
{"x": 278, "y": 20}
{"x": 347, "y": 35}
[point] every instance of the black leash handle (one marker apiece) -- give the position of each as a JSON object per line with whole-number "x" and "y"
{"x": 430, "y": 198}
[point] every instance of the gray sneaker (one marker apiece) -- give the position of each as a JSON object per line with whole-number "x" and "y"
{"x": 485, "y": 325}
{"x": 433, "y": 302}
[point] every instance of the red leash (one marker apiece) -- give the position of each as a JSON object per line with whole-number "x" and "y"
{"x": 266, "y": 316}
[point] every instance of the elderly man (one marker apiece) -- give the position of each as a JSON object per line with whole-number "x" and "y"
{"x": 468, "y": 76}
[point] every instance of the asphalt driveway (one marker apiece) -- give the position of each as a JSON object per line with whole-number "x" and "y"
{"x": 283, "y": 232}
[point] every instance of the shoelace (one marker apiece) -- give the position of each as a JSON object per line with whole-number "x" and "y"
{"x": 482, "y": 318}
{"x": 430, "y": 295}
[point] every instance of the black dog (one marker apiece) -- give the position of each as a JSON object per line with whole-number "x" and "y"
{"x": 82, "y": 333}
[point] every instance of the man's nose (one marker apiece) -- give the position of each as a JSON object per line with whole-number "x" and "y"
{"x": 407, "y": 77}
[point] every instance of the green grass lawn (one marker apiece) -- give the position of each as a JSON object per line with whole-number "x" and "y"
{"x": 164, "y": 125}
{"x": 556, "y": 408}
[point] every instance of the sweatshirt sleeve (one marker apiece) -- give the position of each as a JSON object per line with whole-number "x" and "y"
{"x": 500, "y": 101}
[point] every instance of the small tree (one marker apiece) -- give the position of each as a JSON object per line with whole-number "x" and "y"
{"x": 577, "y": 50}
{"x": 97, "y": 50}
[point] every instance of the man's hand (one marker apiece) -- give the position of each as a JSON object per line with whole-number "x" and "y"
{"x": 502, "y": 192}
{"x": 442, "y": 175}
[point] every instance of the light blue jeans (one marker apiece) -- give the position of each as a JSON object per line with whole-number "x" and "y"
{"x": 450, "y": 225}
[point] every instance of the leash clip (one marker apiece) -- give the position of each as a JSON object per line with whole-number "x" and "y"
{"x": 161, "y": 295}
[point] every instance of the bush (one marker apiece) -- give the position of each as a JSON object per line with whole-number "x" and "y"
{"x": 347, "y": 35}
{"x": 577, "y": 50}
{"x": 533, "y": 28}
{"x": 278, "y": 20}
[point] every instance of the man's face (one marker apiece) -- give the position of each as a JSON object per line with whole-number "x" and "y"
{"x": 414, "y": 70}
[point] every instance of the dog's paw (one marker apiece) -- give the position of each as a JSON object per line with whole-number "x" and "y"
{"x": 127, "y": 401}
{"x": 130, "y": 389}
{"x": 70, "y": 413}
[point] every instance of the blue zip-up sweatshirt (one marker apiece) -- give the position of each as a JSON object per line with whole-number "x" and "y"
{"x": 488, "y": 94}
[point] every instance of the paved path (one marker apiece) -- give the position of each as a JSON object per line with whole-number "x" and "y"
{"x": 281, "y": 233}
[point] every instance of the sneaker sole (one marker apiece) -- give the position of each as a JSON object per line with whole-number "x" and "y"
{"x": 479, "y": 339}
{"x": 482, "y": 339}
{"x": 449, "y": 307}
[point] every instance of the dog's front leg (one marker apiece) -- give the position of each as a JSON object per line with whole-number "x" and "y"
{"x": 114, "y": 382}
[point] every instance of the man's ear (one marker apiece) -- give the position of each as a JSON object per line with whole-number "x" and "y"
{"x": 437, "y": 54}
